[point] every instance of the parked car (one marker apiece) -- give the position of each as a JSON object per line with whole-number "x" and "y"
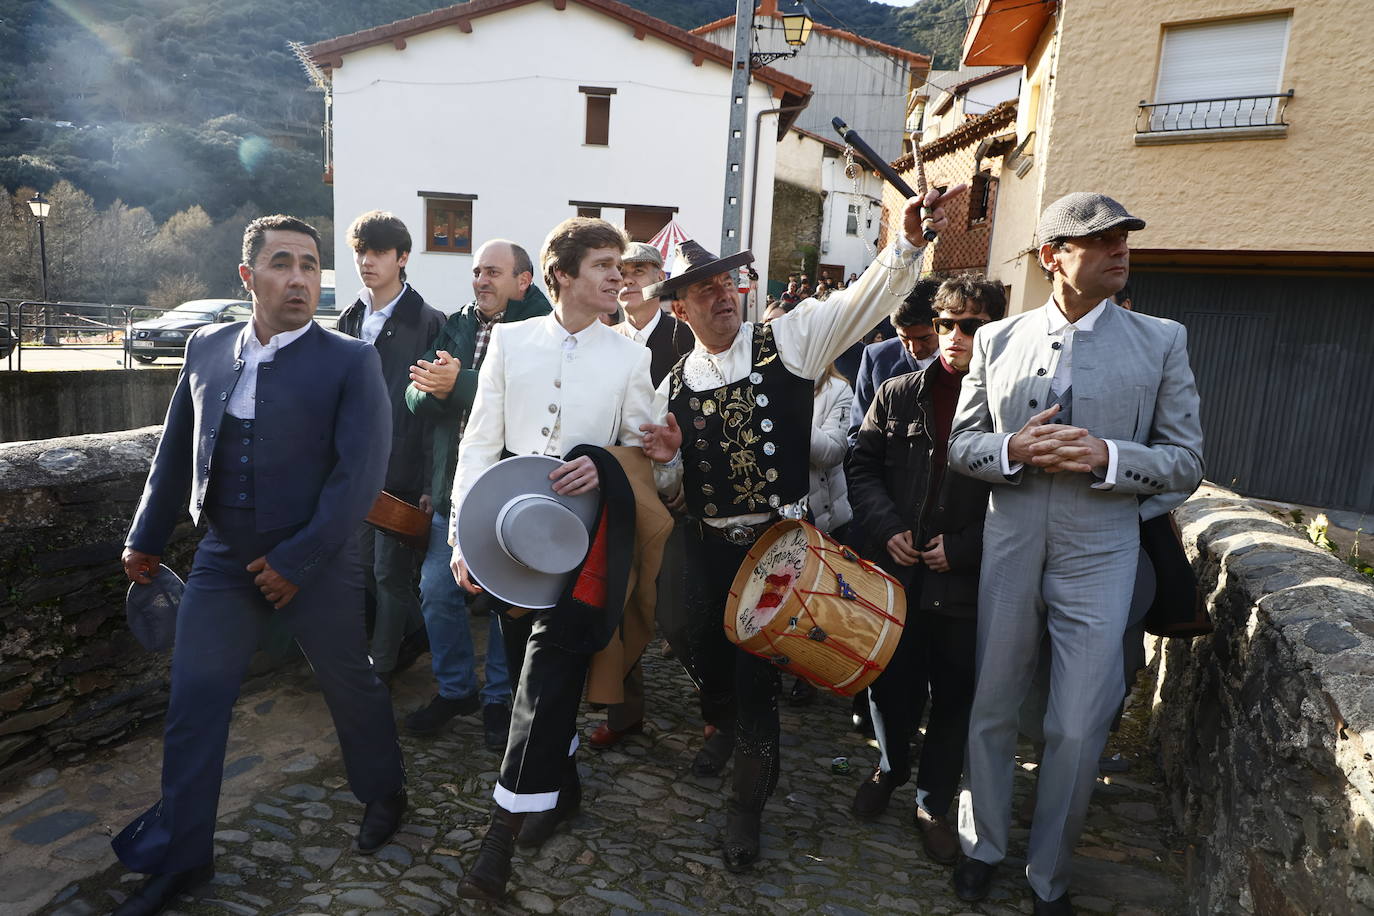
{"x": 328, "y": 312}
{"x": 166, "y": 334}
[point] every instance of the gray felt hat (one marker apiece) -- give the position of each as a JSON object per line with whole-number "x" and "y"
{"x": 519, "y": 538}
{"x": 152, "y": 610}
{"x": 642, "y": 253}
{"x": 1083, "y": 213}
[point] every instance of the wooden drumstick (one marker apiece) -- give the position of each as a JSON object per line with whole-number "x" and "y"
{"x": 851, "y": 136}
{"x": 922, "y": 186}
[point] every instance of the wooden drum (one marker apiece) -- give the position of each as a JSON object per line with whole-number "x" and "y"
{"x": 815, "y": 608}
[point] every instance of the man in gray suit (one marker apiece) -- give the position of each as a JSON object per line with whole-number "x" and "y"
{"x": 1084, "y": 416}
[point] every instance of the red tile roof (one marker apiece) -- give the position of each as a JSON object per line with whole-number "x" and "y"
{"x": 329, "y": 53}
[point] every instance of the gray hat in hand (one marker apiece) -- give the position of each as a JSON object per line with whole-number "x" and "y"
{"x": 1083, "y": 213}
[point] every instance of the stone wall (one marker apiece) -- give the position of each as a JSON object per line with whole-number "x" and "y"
{"x": 1266, "y": 728}
{"x": 797, "y": 215}
{"x": 46, "y": 405}
{"x": 72, "y": 678}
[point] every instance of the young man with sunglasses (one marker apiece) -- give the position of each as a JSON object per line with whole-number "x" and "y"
{"x": 925, "y": 526}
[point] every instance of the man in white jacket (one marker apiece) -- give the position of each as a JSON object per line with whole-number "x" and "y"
{"x": 547, "y": 385}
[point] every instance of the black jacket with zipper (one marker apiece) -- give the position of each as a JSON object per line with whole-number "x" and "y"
{"x": 889, "y": 470}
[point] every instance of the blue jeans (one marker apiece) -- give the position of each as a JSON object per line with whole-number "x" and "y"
{"x": 444, "y": 606}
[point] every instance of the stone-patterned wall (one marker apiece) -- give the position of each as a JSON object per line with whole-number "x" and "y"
{"x": 45, "y": 405}
{"x": 72, "y": 678}
{"x": 797, "y": 215}
{"x": 1266, "y": 728}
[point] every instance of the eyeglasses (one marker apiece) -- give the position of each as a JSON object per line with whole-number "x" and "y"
{"x": 967, "y": 326}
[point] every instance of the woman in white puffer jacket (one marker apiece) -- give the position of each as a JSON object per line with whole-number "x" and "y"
{"x": 829, "y": 496}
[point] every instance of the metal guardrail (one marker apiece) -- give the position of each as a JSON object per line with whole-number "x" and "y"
{"x": 1214, "y": 114}
{"x": 71, "y": 326}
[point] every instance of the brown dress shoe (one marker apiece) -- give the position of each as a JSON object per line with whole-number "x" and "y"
{"x": 938, "y": 836}
{"x": 870, "y": 801}
{"x": 605, "y": 736}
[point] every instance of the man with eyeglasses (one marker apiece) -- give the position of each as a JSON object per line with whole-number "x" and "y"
{"x": 925, "y": 527}
{"x": 1083, "y": 418}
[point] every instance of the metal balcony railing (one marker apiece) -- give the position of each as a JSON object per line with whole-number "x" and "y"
{"x": 1214, "y": 114}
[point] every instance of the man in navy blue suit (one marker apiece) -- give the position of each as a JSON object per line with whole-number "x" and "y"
{"x": 256, "y": 436}
{"x": 910, "y": 351}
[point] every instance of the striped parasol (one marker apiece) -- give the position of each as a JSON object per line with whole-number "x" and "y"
{"x": 668, "y": 238}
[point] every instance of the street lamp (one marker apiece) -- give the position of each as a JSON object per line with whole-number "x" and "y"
{"x": 39, "y": 207}
{"x": 796, "y": 31}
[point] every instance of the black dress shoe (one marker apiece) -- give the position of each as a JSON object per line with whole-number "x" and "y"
{"x": 431, "y": 718}
{"x": 381, "y": 820}
{"x": 495, "y": 726}
{"x": 1059, "y": 906}
{"x": 159, "y": 890}
{"x": 973, "y": 879}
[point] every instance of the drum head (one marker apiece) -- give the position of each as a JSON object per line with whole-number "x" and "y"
{"x": 780, "y": 558}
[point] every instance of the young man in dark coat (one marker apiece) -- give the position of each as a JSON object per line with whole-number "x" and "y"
{"x": 393, "y": 317}
{"x": 925, "y": 526}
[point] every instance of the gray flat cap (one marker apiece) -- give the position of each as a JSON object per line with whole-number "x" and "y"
{"x": 640, "y": 252}
{"x": 1082, "y": 213}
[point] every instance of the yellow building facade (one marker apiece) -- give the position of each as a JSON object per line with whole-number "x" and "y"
{"x": 1225, "y": 180}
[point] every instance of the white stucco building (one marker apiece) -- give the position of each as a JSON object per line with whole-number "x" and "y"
{"x": 499, "y": 119}
{"x": 865, "y": 82}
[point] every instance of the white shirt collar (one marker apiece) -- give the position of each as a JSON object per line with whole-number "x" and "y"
{"x": 248, "y": 339}
{"x": 1057, "y": 322}
{"x": 639, "y": 335}
{"x": 365, "y": 295}
{"x": 561, "y": 333}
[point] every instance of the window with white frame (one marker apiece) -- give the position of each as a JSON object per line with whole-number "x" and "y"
{"x": 851, "y": 222}
{"x": 1221, "y": 74}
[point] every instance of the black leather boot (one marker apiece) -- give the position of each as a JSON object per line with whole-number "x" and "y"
{"x": 753, "y": 781}
{"x": 490, "y": 871}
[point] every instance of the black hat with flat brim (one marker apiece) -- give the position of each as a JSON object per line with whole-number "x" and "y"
{"x": 692, "y": 264}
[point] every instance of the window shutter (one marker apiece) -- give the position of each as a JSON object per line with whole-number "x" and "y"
{"x": 1220, "y": 60}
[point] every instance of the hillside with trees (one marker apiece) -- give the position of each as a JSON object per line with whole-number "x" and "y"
{"x": 158, "y": 125}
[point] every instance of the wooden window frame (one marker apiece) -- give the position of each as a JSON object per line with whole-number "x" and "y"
{"x": 456, "y": 208}
{"x": 597, "y": 122}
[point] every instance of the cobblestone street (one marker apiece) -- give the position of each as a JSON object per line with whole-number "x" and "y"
{"x": 645, "y": 840}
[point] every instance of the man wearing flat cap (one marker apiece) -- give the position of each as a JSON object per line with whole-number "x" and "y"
{"x": 1084, "y": 418}
{"x": 742, "y": 400}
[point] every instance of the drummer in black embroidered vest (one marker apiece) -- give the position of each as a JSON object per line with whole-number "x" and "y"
{"x": 742, "y": 399}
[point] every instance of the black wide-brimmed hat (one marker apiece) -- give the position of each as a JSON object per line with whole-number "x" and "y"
{"x": 692, "y": 264}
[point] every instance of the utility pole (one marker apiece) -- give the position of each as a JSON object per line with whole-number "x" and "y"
{"x": 739, "y": 111}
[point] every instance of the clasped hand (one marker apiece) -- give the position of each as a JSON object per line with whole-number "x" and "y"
{"x": 438, "y": 377}
{"x": 1055, "y": 447}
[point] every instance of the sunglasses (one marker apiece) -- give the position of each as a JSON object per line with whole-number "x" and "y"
{"x": 945, "y": 326}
